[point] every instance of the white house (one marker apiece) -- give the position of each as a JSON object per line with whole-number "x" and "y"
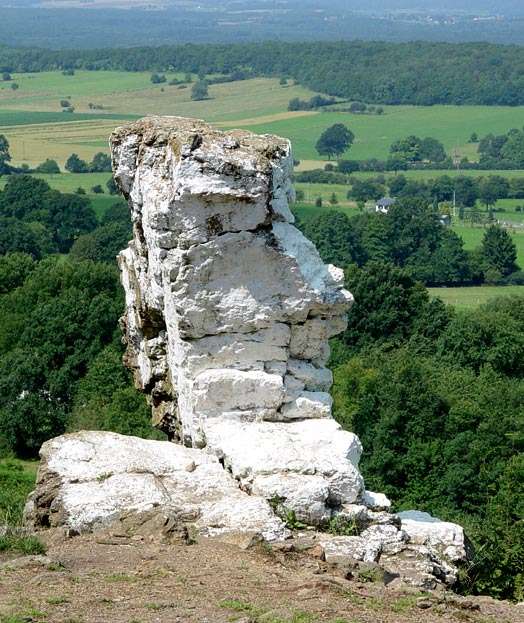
{"x": 384, "y": 204}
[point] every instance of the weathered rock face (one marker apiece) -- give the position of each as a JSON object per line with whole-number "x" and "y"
{"x": 229, "y": 309}
{"x": 87, "y": 480}
{"x": 228, "y": 314}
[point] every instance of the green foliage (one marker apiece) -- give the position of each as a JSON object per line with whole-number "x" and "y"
{"x": 48, "y": 166}
{"x": 14, "y": 269}
{"x": 17, "y": 480}
{"x": 111, "y": 186}
{"x": 389, "y": 308}
{"x": 199, "y": 90}
{"x": 26, "y": 545}
{"x": 493, "y": 335}
{"x": 413, "y": 149}
{"x": 365, "y": 190}
{"x": 106, "y": 400}
{"x": 103, "y": 244}
{"x": 5, "y": 156}
{"x": 499, "y": 250}
{"x": 17, "y": 236}
{"x": 53, "y": 327}
{"x": 101, "y": 163}
{"x": 342, "y": 527}
{"x": 335, "y": 140}
{"x": 157, "y": 78}
{"x": 30, "y": 200}
{"x": 437, "y": 403}
{"x": 118, "y": 212}
{"x": 291, "y": 521}
{"x": 75, "y": 164}
{"x": 338, "y": 243}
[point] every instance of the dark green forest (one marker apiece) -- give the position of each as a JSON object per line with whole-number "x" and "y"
{"x": 374, "y": 72}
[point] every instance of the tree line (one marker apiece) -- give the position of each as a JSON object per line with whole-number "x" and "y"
{"x": 374, "y": 72}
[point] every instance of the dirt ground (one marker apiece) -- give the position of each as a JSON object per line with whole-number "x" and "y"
{"x": 101, "y": 579}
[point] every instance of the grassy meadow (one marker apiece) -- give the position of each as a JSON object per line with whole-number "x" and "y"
{"x": 469, "y": 298}
{"x": 453, "y": 125}
{"x": 33, "y": 122}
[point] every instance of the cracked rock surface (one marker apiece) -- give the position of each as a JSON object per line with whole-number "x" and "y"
{"x": 229, "y": 309}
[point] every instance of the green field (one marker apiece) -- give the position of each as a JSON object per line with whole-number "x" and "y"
{"x": 468, "y": 298}
{"x": 31, "y": 116}
{"x": 10, "y": 118}
{"x": 69, "y": 182}
{"x": 312, "y": 191}
{"x": 453, "y": 125}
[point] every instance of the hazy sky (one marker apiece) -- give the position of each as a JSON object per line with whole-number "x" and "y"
{"x": 493, "y": 6}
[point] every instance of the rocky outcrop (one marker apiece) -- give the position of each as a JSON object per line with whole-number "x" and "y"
{"x": 88, "y": 480}
{"x": 229, "y": 310}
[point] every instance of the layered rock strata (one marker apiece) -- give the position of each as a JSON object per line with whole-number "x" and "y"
{"x": 229, "y": 310}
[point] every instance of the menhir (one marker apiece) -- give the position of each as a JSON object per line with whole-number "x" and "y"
{"x": 229, "y": 309}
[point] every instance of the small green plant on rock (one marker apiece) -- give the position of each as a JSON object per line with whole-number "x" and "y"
{"x": 342, "y": 527}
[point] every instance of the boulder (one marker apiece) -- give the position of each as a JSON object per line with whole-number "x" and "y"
{"x": 423, "y": 529}
{"x": 88, "y": 480}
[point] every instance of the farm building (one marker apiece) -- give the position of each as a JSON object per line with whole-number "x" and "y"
{"x": 384, "y": 204}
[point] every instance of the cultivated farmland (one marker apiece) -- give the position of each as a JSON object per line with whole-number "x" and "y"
{"x": 31, "y": 116}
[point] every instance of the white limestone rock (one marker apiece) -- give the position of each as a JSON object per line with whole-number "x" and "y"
{"x": 367, "y": 547}
{"x": 423, "y": 529}
{"x": 315, "y": 457}
{"x": 308, "y": 405}
{"x": 376, "y": 501}
{"x": 87, "y": 480}
{"x": 229, "y": 307}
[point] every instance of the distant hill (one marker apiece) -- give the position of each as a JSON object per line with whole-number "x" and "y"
{"x": 62, "y": 24}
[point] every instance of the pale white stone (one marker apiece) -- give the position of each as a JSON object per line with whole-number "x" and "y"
{"x": 424, "y": 529}
{"x": 308, "y": 405}
{"x": 376, "y": 501}
{"x": 220, "y": 390}
{"x": 315, "y": 379}
{"x": 302, "y": 449}
{"x": 294, "y": 388}
{"x": 92, "y": 478}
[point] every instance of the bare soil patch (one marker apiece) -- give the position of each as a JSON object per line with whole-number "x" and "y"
{"x": 101, "y": 578}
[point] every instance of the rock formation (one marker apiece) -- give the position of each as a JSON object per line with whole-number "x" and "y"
{"x": 229, "y": 309}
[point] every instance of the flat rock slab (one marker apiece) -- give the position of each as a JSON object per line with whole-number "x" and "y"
{"x": 88, "y": 479}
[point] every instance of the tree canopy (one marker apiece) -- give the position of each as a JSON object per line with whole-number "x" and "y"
{"x": 335, "y": 140}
